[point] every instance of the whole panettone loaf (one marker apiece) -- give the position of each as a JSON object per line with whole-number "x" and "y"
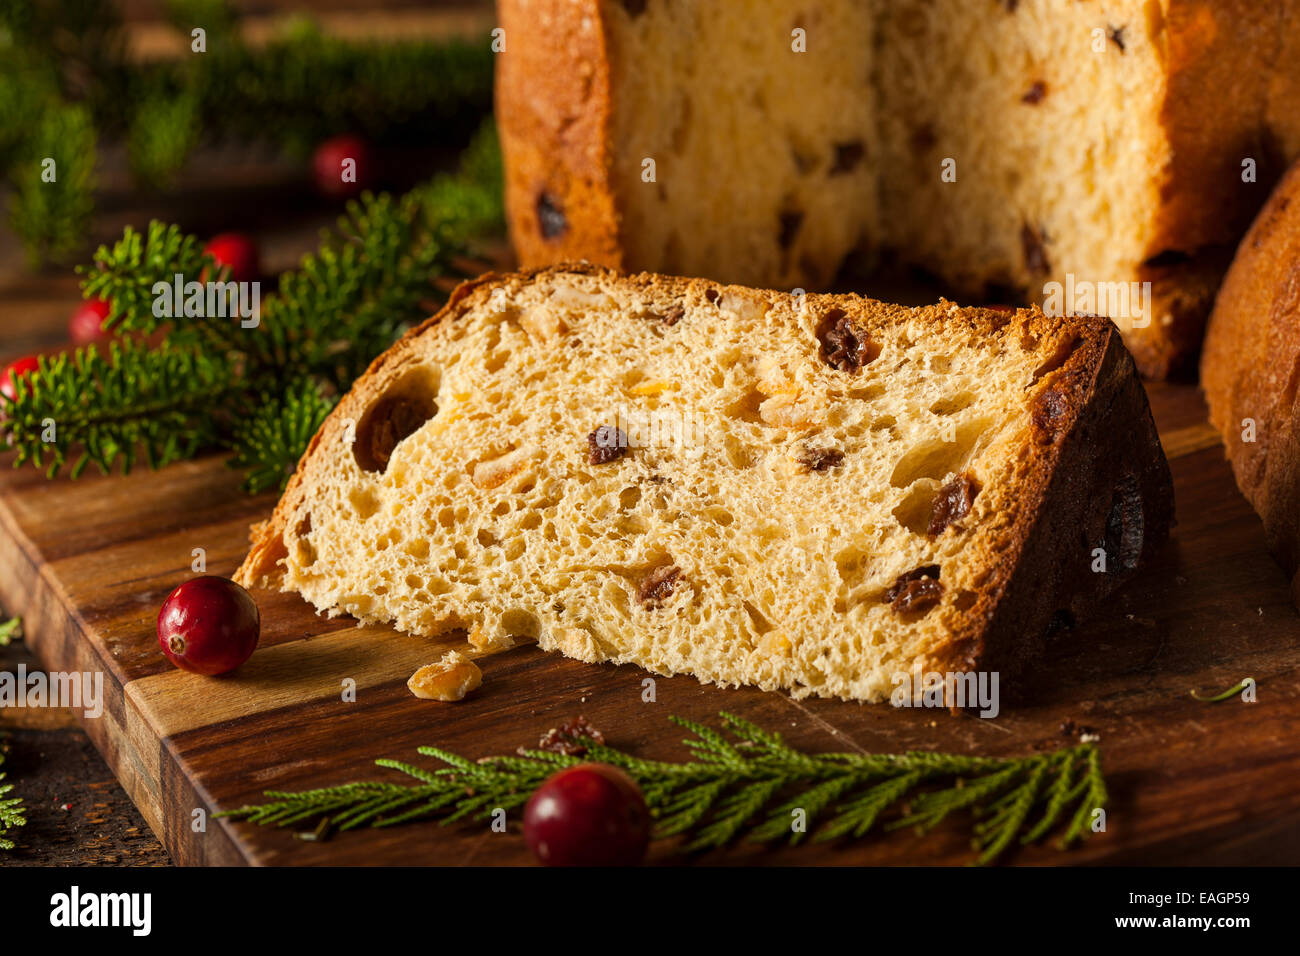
{"x": 815, "y": 493}
{"x": 1057, "y": 150}
{"x": 1251, "y": 368}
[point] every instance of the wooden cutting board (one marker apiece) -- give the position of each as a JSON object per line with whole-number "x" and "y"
{"x": 87, "y": 564}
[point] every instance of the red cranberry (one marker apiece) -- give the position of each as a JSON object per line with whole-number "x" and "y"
{"x": 87, "y": 323}
{"x": 208, "y": 625}
{"x": 13, "y": 372}
{"x": 239, "y": 252}
{"x": 327, "y": 166}
{"x": 588, "y": 815}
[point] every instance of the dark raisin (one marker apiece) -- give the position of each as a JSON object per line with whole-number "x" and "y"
{"x": 1125, "y": 526}
{"x": 917, "y": 590}
{"x": 634, "y": 8}
{"x": 1035, "y": 247}
{"x": 712, "y": 295}
{"x": 570, "y": 738}
{"x": 1048, "y": 414}
{"x": 607, "y": 443}
{"x": 550, "y": 216}
{"x": 389, "y": 421}
{"x": 847, "y": 157}
{"x": 659, "y": 586}
{"x": 790, "y": 223}
{"x": 672, "y": 316}
{"x": 844, "y": 347}
{"x": 1035, "y": 94}
{"x": 820, "y": 459}
{"x": 953, "y": 503}
{"x": 1011, "y": 5}
{"x": 1116, "y": 36}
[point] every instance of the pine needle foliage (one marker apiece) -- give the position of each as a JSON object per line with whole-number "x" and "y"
{"x": 271, "y": 440}
{"x": 10, "y": 631}
{"x": 53, "y": 181}
{"x": 66, "y": 84}
{"x": 259, "y": 392}
{"x": 13, "y": 813}
{"x": 743, "y": 783}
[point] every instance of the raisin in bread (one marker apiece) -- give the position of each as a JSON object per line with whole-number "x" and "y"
{"x": 1251, "y": 368}
{"x": 811, "y": 493}
{"x": 764, "y": 142}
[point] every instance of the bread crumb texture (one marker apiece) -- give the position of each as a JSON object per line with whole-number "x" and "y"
{"x": 802, "y": 492}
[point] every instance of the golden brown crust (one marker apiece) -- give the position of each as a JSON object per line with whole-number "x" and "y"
{"x": 1220, "y": 56}
{"x": 553, "y": 113}
{"x": 1182, "y": 294}
{"x": 1251, "y": 368}
{"x": 1107, "y": 488}
{"x": 1036, "y": 562}
{"x": 1225, "y": 62}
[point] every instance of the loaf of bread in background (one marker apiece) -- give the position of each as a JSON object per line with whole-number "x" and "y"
{"x": 1001, "y": 144}
{"x": 1251, "y": 368}
{"x": 813, "y": 493}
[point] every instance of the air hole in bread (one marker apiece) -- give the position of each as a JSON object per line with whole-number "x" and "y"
{"x": 364, "y": 501}
{"x": 720, "y": 516}
{"x": 867, "y": 393}
{"x": 306, "y": 551}
{"x": 760, "y": 623}
{"x": 406, "y": 405}
{"x": 953, "y": 404}
{"x": 936, "y": 458}
{"x": 739, "y": 455}
{"x": 914, "y": 511}
{"x": 520, "y": 622}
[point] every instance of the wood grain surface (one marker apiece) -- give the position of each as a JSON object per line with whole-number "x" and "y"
{"x": 88, "y": 564}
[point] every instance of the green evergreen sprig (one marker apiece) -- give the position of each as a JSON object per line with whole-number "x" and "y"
{"x": 13, "y": 813}
{"x": 270, "y": 441}
{"x": 10, "y": 631}
{"x": 53, "y": 179}
{"x": 744, "y": 782}
{"x": 260, "y": 392}
{"x": 66, "y": 84}
{"x": 113, "y": 406}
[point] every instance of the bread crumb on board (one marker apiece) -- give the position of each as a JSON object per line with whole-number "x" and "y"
{"x": 450, "y": 679}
